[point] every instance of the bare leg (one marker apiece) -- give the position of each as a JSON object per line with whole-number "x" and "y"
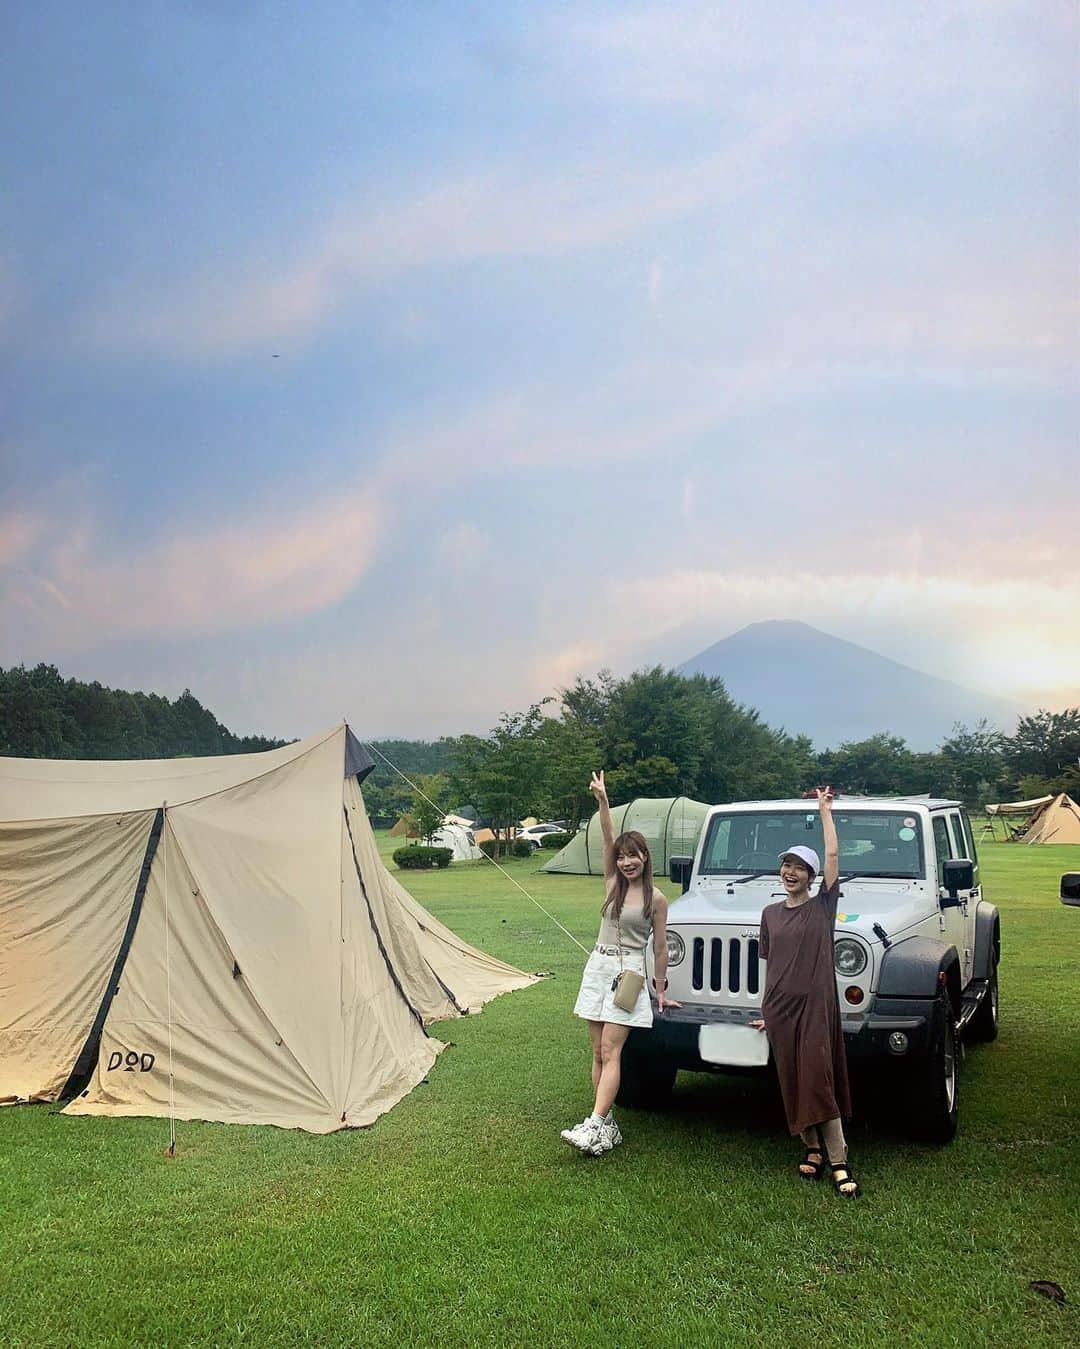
{"x": 611, "y": 1045}
{"x": 596, "y": 1030}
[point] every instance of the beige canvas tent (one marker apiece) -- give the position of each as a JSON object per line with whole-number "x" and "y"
{"x": 217, "y": 939}
{"x": 1057, "y": 821}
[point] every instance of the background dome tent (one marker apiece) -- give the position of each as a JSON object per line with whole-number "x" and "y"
{"x": 459, "y": 840}
{"x": 231, "y": 910}
{"x": 671, "y": 826}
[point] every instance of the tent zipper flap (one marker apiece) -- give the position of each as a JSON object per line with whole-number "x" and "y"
{"x": 375, "y": 928}
{"x": 85, "y": 1063}
{"x": 461, "y": 1011}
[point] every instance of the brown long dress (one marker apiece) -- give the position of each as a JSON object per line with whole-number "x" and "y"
{"x": 801, "y": 1010}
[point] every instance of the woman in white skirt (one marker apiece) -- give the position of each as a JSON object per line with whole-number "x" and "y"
{"x": 634, "y": 910}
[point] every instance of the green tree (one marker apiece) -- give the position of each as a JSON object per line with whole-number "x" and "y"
{"x": 974, "y": 762}
{"x": 42, "y": 715}
{"x": 881, "y": 765}
{"x": 502, "y": 774}
{"x": 1045, "y": 745}
{"x": 665, "y": 734}
{"x": 427, "y": 804}
{"x": 569, "y": 753}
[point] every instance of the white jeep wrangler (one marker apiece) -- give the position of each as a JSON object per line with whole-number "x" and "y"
{"x": 916, "y": 949}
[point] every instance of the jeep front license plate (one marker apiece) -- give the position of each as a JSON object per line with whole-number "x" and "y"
{"x": 738, "y": 1046}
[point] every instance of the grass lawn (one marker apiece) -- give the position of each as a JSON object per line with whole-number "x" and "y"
{"x": 461, "y": 1218}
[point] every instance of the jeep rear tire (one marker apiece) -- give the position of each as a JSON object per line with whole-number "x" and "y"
{"x": 934, "y": 1085}
{"x": 646, "y": 1079}
{"x": 984, "y": 1024}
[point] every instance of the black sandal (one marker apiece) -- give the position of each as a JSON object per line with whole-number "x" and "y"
{"x": 846, "y": 1179}
{"x": 818, "y": 1167}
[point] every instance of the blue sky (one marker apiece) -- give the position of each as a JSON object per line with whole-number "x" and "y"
{"x": 402, "y": 362}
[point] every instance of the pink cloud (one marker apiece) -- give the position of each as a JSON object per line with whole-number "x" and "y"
{"x": 198, "y": 581}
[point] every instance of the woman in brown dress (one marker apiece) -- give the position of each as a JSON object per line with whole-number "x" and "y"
{"x": 800, "y": 1009}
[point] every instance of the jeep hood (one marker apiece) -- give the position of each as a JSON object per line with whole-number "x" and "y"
{"x": 895, "y": 906}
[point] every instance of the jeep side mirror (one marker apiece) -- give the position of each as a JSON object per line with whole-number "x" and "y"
{"x": 958, "y": 873}
{"x": 680, "y": 869}
{"x": 1070, "y": 888}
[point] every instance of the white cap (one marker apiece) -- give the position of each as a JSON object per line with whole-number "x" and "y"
{"x": 804, "y": 854}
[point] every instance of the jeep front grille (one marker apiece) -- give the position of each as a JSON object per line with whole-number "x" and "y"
{"x": 727, "y": 964}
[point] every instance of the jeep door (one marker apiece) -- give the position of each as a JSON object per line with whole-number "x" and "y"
{"x": 969, "y": 899}
{"x": 953, "y": 920}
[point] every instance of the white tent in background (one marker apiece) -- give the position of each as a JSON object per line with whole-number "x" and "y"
{"x": 228, "y": 918}
{"x": 459, "y": 840}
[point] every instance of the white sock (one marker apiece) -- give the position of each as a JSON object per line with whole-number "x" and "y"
{"x": 609, "y": 1118}
{"x": 594, "y": 1118}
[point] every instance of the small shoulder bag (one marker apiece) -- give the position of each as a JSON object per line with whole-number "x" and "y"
{"x": 627, "y": 984}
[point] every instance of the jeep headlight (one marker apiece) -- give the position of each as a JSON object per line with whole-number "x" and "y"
{"x": 676, "y": 948}
{"x": 849, "y": 957}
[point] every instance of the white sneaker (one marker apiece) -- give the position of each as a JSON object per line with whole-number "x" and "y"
{"x": 585, "y": 1137}
{"x": 610, "y": 1136}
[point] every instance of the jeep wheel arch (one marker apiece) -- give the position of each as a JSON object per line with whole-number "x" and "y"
{"x": 912, "y": 968}
{"x": 987, "y": 940}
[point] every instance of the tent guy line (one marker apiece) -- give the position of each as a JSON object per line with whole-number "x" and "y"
{"x": 420, "y": 793}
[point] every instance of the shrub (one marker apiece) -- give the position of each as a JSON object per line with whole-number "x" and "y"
{"x": 520, "y": 847}
{"x": 417, "y": 858}
{"x": 555, "y": 840}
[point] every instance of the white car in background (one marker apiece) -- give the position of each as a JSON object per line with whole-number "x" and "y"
{"x": 533, "y": 833}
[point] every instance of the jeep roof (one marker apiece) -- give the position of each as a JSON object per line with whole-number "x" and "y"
{"x": 843, "y": 801}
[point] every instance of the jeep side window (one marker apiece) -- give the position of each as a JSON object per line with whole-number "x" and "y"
{"x": 970, "y": 838}
{"x": 942, "y": 846}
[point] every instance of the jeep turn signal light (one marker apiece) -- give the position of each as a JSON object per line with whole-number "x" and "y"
{"x": 854, "y": 994}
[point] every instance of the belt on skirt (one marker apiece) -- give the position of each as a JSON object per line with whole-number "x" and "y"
{"x": 614, "y": 950}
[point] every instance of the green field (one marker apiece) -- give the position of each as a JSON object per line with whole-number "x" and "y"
{"x": 461, "y": 1218}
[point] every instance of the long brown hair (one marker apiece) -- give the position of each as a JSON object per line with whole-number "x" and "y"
{"x": 630, "y": 842}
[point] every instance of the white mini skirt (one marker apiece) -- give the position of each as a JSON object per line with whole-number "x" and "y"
{"x": 595, "y": 1001}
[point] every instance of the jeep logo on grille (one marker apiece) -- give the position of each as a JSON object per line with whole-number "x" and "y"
{"x": 749, "y": 932}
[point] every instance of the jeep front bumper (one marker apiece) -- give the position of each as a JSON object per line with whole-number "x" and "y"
{"x": 674, "y": 1036}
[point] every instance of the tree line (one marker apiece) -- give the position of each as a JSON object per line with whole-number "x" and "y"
{"x": 661, "y": 734}
{"x": 657, "y": 733}
{"x": 45, "y": 716}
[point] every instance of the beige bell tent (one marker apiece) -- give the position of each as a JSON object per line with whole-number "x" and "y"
{"x": 217, "y": 939}
{"x": 1057, "y": 821}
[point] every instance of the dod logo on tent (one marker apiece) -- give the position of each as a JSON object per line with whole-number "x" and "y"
{"x": 229, "y": 917}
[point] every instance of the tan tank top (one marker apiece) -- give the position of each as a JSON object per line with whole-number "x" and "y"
{"x": 636, "y": 928}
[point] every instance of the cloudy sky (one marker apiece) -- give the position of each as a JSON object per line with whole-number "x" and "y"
{"x": 400, "y": 362}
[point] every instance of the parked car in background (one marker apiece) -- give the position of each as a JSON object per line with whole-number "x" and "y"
{"x": 533, "y": 833}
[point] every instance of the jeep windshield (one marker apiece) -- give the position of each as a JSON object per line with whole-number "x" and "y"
{"x": 885, "y": 844}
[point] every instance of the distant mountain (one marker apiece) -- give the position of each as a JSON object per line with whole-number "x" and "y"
{"x": 831, "y": 690}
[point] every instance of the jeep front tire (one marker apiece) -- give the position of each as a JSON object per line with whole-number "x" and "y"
{"x": 934, "y": 1086}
